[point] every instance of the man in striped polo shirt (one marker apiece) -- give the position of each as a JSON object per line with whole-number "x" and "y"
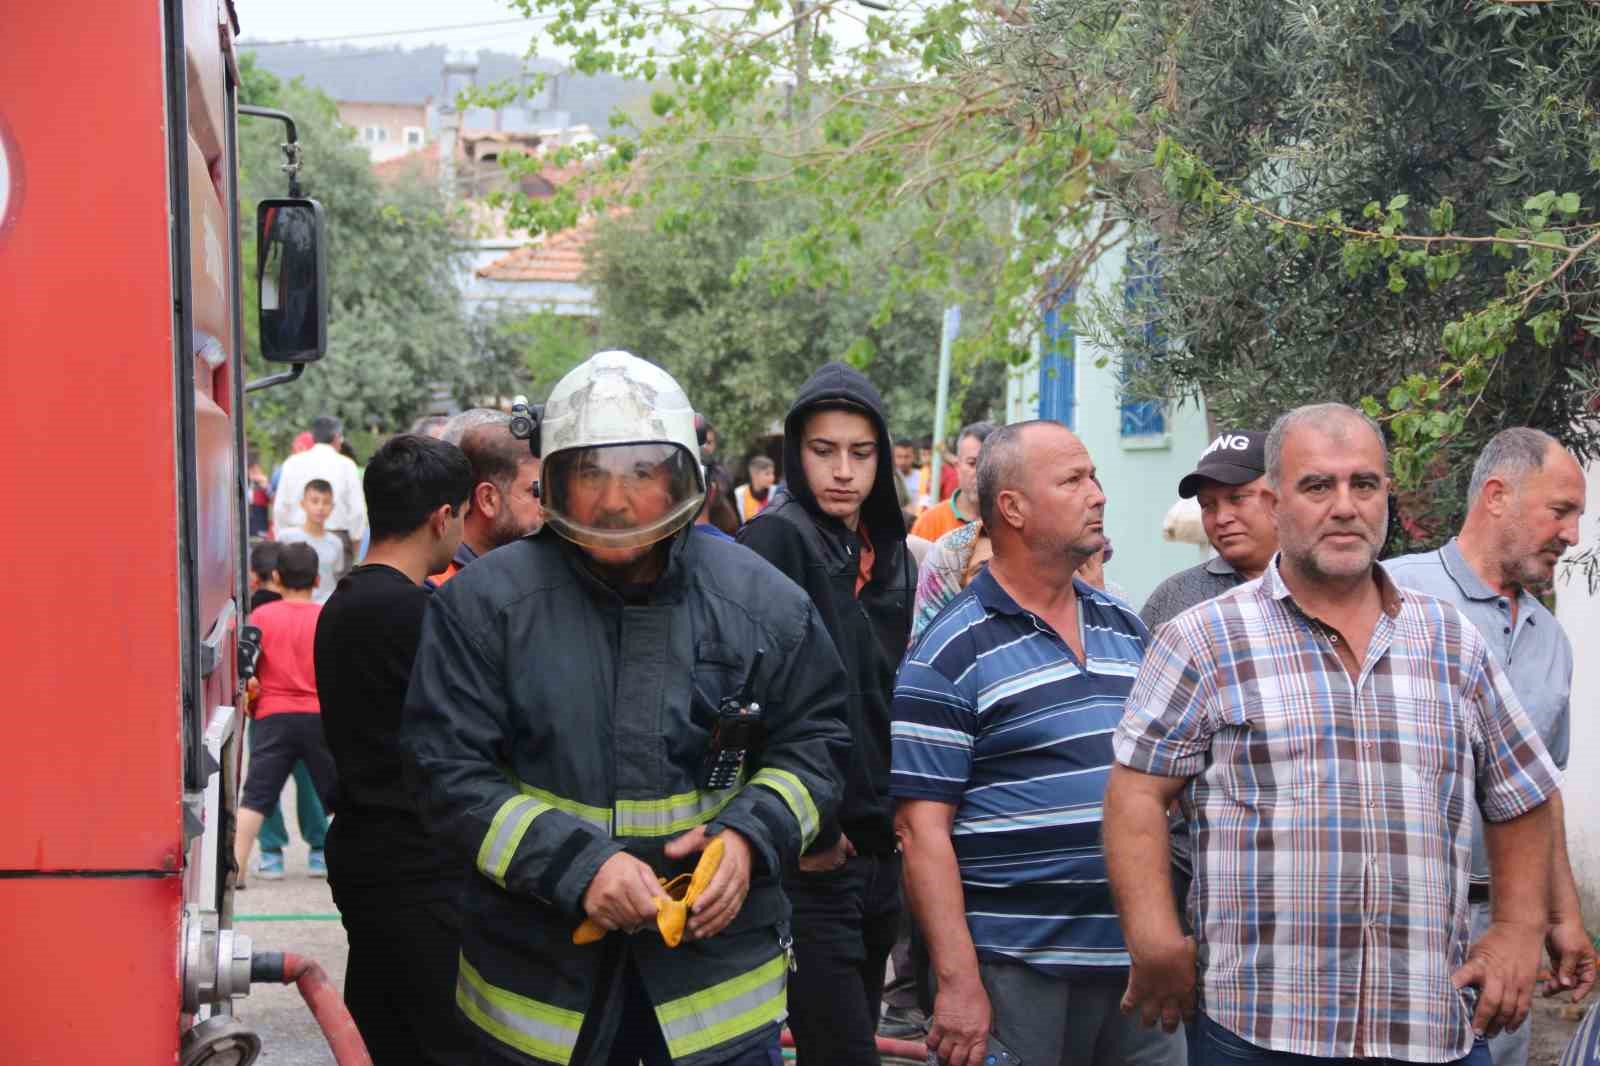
{"x": 1002, "y": 722}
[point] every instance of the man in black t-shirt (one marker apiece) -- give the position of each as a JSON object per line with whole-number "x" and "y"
{"x": 396, "y": 887}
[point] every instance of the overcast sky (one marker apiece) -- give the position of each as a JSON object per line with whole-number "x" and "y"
{"x": 283, "y": 20}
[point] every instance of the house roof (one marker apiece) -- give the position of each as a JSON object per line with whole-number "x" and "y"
{"x": 559, "y": 257}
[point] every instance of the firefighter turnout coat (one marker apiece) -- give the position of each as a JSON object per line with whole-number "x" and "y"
{"x": 551, "y": 723}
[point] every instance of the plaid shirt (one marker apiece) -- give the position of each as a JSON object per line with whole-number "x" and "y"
{"x": 1329, "y": 811}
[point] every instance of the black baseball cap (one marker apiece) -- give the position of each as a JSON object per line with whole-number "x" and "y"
{"x": 1234, "y": 458}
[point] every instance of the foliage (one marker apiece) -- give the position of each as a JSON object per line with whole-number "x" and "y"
{"x": 397, "y": 331}
{"x": 873, "y": 115}
{"x": 548, "y": 345}
{"x": 741, "y": 347}
{"x": 1387, "y": 203}
{"x": 1381, "y": 201}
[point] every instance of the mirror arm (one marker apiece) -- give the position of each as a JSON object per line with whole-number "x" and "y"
{"x": 291, "y": 147}
{"x": 284, "y": 378}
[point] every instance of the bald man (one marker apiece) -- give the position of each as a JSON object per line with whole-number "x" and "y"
{"x": 1002, "y": 721}
{"x": 1523, "y": 504}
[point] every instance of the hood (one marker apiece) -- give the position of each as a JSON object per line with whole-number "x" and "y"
{"x": 881, "y": 511}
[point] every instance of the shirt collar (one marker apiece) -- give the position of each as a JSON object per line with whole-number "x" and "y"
{"x": 464, "y": 554}
{"x": 1220, "y": 566}
{"x": 1273, "y": 586}
{"x": 1467, "y": 580}
{"x": 995, "y": 598}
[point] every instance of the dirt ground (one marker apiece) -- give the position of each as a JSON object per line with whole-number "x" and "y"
{"x": 1553, "y": 1024}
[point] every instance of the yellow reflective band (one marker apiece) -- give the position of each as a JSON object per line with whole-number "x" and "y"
{"x": 725, "y": 1011}
{"x": 505, "y": 833}
{"x": 794, "y": 794}
{"x": 534, "y": 1028}
{"x": 656, "y": 818}
{"x": 597, "y": 816}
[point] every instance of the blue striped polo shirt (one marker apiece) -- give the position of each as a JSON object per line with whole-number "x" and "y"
{"x": 994, "y": 715}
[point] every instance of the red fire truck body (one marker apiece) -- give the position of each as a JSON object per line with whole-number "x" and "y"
{"x": 122, "y": 401}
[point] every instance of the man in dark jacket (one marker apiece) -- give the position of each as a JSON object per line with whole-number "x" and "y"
{"x": 571, "y": 692}
{"x": 837, "y": 530}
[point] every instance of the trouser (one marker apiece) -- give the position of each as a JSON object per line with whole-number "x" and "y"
{"x": 1507, "y": 1049}
{"x": 309, "y": 815}
{"x": 1066, "y": 1021}
{"x": 400, "y": 980}
{"x": 639, "y": 1038}
{"x": 1212, "y": 1045}
{"x": 844, "y": 922}
{"x": 277, "y": 741}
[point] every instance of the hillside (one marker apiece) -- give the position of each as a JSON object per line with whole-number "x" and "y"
{"x": 411, "y": 76}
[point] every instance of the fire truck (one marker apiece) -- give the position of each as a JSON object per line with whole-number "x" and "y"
{"x": 125, "y": 651}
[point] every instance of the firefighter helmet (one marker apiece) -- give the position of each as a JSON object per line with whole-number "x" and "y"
{"x": 620, "y": 467}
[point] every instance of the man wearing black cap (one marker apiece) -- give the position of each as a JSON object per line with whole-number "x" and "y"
{"x": 1229, "y": 480}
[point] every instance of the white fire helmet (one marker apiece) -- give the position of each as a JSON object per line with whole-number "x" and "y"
{"x": 620, "y": 464}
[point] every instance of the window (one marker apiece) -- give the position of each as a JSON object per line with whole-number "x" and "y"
{"x": 1057, "y": 364}
{"x": 375, "y": 135}
{"x": 413, "y": 136}
{"x": 1141, "y": 289}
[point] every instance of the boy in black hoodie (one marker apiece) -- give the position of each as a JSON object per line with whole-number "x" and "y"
{"x": 836, "y": 529}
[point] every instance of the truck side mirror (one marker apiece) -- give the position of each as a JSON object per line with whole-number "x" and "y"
{"x": 292, "y": 280}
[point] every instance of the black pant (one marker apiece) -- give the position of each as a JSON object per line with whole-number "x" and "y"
{"x": 400, "y": 981}
{"x": 277, "y": 742}
{"x": 844, "y": 927}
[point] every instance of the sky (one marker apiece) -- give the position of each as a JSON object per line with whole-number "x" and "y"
{"x": 381, "y": 23}
{"x": 378, "y": 24}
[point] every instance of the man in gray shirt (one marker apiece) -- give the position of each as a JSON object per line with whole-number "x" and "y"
{"x": 1523, "y": 505}
{"x": 1228, "y": 480}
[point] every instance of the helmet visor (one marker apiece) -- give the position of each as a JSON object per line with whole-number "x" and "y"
{"x": 620, "y": 495}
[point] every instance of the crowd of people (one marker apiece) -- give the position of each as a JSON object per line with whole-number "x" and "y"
{"x": 1302, "y": 806}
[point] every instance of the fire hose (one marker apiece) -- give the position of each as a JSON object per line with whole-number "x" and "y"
{"x": 323, "y": 999}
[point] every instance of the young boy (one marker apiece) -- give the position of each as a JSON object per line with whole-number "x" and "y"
{"x": 837, "y": 532}
{"x": 754, "y": 497}
{"x": 317, "y": 503}
{"x": 264, "y": 587}
{"x": 287, "y": 722}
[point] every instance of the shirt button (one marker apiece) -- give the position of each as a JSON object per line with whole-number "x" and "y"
{"x": 1508, "y": 629}
{"x": 1370, "y": 745}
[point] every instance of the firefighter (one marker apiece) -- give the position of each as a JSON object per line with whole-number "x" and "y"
{"x": 573, "y": 695}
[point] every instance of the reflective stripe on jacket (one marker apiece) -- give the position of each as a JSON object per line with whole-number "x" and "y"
{"x": 550, "y": 725}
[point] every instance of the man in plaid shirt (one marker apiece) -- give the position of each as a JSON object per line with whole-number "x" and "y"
{"x": 1326, "y": 734}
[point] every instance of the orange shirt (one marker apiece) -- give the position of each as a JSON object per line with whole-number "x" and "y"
{"x": 864, "y": 571}
{"x": 940, "y": 519}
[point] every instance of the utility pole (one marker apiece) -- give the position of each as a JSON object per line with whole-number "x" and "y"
{"x": 460, "y": 72}
{"x": 941, "y": 404}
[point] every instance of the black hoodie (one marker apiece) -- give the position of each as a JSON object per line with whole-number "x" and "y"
{"x": 870, "y": 631}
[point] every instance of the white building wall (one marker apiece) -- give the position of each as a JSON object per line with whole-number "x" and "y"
{"x": 1579, "y": 613}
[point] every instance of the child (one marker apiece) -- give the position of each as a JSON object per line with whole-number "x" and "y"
{"x": 287, "y": 716}
{"x": 317, "y": 502}
{"x": 264, "y": 586}
{"x": 264, "y": 589}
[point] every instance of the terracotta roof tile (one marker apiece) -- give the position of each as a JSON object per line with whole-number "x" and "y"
{"x": 559, "y": 257}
